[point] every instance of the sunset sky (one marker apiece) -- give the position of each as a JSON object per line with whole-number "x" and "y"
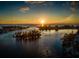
{"x": 32, "y": 12}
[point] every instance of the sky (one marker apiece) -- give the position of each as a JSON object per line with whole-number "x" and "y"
{"x": 32, "y": 12}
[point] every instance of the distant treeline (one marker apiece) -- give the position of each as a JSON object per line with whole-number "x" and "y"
{"x": 58, "y": 27}
{"x": 5, "y": 29}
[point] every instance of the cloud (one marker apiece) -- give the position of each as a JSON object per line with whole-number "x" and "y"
{"x": 71, "y": 19}
{"x": 36, "y": 2}
{"x": 24, "y": 9}
{"x": 73, "y": 9}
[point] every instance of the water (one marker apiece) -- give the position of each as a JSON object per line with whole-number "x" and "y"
{"x": 48, "y": 45}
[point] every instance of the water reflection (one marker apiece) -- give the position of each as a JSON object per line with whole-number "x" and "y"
{"x": 49, "y": 44}
{"x": 29, "y": 42}
{"x": 30, "y": 48}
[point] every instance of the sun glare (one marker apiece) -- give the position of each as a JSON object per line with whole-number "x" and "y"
{"x": 42, "y": 22}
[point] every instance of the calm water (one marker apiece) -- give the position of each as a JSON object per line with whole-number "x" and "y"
{"x": 48, "y": 45}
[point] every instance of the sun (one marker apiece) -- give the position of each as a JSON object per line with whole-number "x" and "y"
{"x": 42, "y": 22}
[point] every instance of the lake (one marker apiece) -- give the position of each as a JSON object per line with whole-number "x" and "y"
{"x": 48, "y": 45}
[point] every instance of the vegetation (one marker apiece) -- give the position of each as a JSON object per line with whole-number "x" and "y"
{"x": 31, "y": 35}
{"x": 71, "y": 45}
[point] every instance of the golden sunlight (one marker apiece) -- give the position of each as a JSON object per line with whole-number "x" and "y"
{"x": 42, "y": 22}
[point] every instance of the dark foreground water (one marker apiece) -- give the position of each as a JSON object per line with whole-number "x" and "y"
{"x": 48, "y": 45}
